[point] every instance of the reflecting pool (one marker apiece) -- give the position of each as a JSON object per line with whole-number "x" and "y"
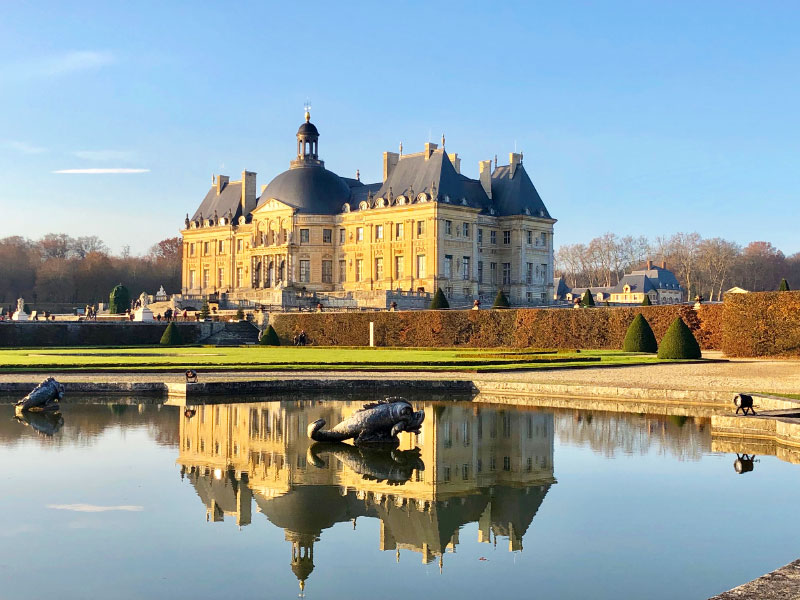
{"x": 119, "y": 499}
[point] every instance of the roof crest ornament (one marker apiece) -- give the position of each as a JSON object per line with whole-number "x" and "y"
{"x": 307, "y": 107}
{"x": 442, "y": 141}
{"x": 401, "y": 148}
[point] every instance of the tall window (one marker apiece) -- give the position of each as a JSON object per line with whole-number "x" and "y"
{"x": 543, "y": 269}
{"x": 221, "y": 246}
{"x": 448, "y": 228}
{"x": 542, "y": 241}
{"x": 220, "y": 276}
{"x": 448, "y": 266}
{"x": 480, "y": 236}
{"x": 465, "y": 272}
{"x": 379, "y": 268}
{"x": 465, "y": 229}
{"x": 378, "y": 232}
{"x": 493, "y": 273}
{"x": 506, "y": 273}
{"x": 327, "y": 271}
{"x": 529, "y": 273}
{"x": 420, "y": 265}
{"x": 359, "y": 269}
{"x": 342, "y": 233}
{"x": 506, "y": 237}
{"x": 359, "y": 234}
{"x": 304, "y": 237}
{"x": 192, "y": 278}
{"x": 342, "y": 271}
{"x": 480, "y": 271}
{"x": 305, "y": 271}
{"x": 206, "y": 248}
{"x": 492, "y": 237}
{"x": 191, "y": 249}
{"x": 205, "y": 278}
{"x": 239, "y": 276}
{"x": 530, "y": 237}
{"x": 327, "y": 236}
{"x": 399, "y": 231}
{"x": 239, "y": 245}
{"x": 420, "y": 228}
{"x": 398, "y": 267}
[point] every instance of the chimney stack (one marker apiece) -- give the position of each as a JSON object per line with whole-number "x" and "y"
{"x": 649, "y": 265}
{"x": 390, "y": 160}
{"x": 222, "y": 181}
{"x": 456, "y": 161}
{"x": 429, "y": 148}
{"x": 663, "y": 264}
{"x": 248, "y": 192}
{"x": 485, "y": 168}
{"x": 514, "y": 159}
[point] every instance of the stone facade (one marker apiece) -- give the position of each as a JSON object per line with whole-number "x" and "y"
{"x": 424, "y": 226}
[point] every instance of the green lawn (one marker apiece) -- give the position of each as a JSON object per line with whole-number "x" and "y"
{"x": 259, "y": 358}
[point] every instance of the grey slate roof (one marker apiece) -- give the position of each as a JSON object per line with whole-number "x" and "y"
{"x": 638, "y": 283}
{"x": 414, "y": 172}
{"x": 661, "y": 279}
{"x": 310, "y": 189}
{"x": 512, "y": 195}
{"x": 560, "y": 287}
{"x": 230, "y": 198}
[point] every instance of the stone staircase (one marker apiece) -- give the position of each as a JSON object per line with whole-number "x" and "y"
{"x": 233, "y": 334}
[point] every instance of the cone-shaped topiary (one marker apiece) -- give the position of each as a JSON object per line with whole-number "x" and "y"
{"x": 784, "y": 287}
{"x": 172, "y": 336}
{"x": 204, "y": 311}
{"x": 587, "y": 299}
{"x": 500, "y": 301}
{"x": 640, "y": 337}
{"x": 119, "y": 300}
{"x": 646, "y": 301}
{"x": 269, "y": 337}
{"x": 679, "y": 342}
{"x": 439, "y": 300}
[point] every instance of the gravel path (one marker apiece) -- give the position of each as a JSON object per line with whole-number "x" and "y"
{"x": 776, "y": 376}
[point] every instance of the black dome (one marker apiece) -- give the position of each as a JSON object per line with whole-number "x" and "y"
{"x": 307, "y": 129}
{"x": 311, "y": 189}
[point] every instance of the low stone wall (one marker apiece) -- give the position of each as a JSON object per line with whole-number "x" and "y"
{"x": 91, "y": 333}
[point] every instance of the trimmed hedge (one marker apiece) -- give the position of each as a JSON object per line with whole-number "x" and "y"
{"x": 269, "y": 337}
{"x": 646, "y": 301}
{"x": 587, "y": 300}
{"x": 678, "y": 342}
{"x": 120, "y": 333}
{"x": 500, "y": 300}
{"x": 761, "y": 324}
{"x": 439, "y": 300}
{"x": 119, "y": 300}
{"x": 601, "y": 328}
{"x": 172, "y": 336}
{"x": 640, "y": 337}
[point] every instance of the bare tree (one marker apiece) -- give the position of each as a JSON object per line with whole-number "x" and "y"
{"x": 715, "y": 259}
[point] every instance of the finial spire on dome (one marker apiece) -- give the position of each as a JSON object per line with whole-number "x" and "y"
{"x": 307, "y": 107}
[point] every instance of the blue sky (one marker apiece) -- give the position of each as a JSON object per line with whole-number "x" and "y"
{"x": 641, "y": 118}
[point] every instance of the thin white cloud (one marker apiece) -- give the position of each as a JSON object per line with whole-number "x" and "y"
{"x": 104, "y": 155}
{"x": 56, "y": 65}
{"x": 115, "y": 171}
{"x": 93, "y": 508}
{"x": 23, "y": 147}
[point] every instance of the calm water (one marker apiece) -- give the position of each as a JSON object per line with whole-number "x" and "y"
{"x": 140, "y": 501}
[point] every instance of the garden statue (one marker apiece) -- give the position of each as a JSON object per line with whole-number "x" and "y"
{"x": 389, "y": 465}
{"x": 376, "y": 423}
{"x": 144, "y": 300}
{"x": 44, "y": 397}
{"x": 20, "y": 314}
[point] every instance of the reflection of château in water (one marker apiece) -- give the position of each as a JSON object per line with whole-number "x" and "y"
{"x": 485, "y": 465}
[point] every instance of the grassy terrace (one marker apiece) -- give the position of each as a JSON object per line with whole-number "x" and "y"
{"x": 305, "y": 358}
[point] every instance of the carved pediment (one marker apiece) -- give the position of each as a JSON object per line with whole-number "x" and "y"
{"x": 272, "y": 204}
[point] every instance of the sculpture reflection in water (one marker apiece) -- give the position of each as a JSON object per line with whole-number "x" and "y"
{"x": 43, "y": 423}
{"x": 469, "y": 463}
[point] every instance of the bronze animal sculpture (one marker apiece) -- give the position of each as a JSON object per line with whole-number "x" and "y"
{"x": 392, "y": 466}
{"x": 376, "y": 423}
{"x": 44, "y": 397}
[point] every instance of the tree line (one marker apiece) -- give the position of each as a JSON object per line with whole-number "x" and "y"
{"x": 61, "y": 269}
{"x": 705, "y": 267}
